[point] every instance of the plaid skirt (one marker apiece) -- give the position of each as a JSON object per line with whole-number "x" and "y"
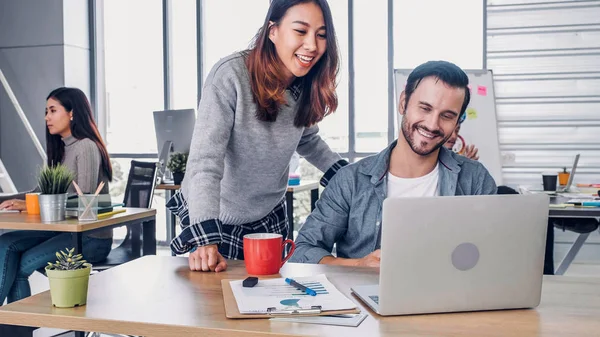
{"x": 232, "y": 243}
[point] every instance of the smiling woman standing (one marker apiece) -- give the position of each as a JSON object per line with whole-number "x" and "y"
{"x": 258, "y": 107}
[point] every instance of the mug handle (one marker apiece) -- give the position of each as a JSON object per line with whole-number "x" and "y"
{"x": 291, "y": 251}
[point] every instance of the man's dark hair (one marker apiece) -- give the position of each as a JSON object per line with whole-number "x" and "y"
{"x": 444, "y": 71}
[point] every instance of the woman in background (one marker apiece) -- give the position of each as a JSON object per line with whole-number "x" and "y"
{"x": 72, "y": 139}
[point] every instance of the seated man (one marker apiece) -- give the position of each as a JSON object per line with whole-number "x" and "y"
{"x": 417, "y": 164}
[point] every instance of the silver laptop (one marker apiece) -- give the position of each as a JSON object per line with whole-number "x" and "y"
{"x": 567, "y": 187}
{"x": 465, "y": 253}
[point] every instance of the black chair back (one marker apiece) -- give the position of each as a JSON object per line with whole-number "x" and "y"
{"x": 138, "y": 193}
{"x": 140, "y": 184}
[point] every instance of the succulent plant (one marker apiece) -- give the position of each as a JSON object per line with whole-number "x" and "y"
{"x": 55, "y": 179}
{"x": 177, "y": 162}
{"x": 68, "y": 261}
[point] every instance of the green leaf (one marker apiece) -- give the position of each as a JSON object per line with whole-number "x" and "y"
{"x": 55, "y": 179}
{"x": 68, "y": 261}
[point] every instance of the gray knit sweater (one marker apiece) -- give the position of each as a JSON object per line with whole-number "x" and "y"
{"x": 82, "y": 157}
{"x": 238, "y": 166}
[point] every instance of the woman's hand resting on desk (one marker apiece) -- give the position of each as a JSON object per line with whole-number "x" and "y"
{"x": 207, "y": 258}
{"x": 14, "y": 204}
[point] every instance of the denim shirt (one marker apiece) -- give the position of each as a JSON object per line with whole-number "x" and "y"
{"x": 349, "y": 211}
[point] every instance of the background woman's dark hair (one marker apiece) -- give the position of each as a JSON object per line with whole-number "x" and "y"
{"x": 82, "y": 126}
{"x": 446, "y": 72}
{"x": 267, "y": 71}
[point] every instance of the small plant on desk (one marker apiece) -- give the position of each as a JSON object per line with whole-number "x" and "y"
{"x": 69, "y": 277}
{"x": 177, "y": 165}
{"x": 67, "y": 261}
{"x": 55, "y": 179}
{"x": 53, "y": 182}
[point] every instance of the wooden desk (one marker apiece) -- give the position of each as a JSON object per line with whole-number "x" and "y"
{"x": 157, "y": 296}
{"x": 312, "y": 186}
{"x": 168, "y": 187}
{"x": 23, "y": 221}
{"x": 571, "y": 212}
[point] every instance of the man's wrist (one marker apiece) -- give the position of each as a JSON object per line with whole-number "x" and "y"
{"x": 337, "y": 261}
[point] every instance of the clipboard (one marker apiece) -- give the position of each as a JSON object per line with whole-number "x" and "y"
{"x": 232, "y": 311}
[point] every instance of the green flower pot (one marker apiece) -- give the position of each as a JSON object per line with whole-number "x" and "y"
{"x": 69, "y": 288}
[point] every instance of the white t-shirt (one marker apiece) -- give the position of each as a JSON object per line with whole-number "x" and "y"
{"x": 425, "y": 186}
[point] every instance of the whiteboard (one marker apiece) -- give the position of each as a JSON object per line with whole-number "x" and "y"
{"x": 481, "y": 125}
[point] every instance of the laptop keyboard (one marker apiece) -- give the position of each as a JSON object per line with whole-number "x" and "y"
{"x": 375, "y": 298}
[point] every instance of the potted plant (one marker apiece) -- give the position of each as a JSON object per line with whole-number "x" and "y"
{"x": 53, "y": 182}
{"x": 176, "y": 165}
{"x": 69, "y": 277}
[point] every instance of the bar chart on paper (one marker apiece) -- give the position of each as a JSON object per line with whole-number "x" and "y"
{"x": 285, "y": 290}
{"x": 277, "y": 294}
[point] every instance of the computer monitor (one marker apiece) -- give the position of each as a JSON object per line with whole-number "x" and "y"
{"x": 174, "y": 129}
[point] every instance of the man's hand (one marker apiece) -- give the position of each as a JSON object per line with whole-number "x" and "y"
{"x": 14, "y": 204}
{"x": 471, "y": 152}
{"x": 207, "y": 258}
{"x": 371, "y": 260}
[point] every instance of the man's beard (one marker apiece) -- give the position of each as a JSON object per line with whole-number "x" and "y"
{"x": 408, "y": 135}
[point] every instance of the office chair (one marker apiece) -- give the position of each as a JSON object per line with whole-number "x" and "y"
{"x": 138, "y": 193}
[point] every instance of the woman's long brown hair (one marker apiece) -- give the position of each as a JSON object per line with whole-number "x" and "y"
{"x": 267, "y": 77}
{"x": 82, "y": 126}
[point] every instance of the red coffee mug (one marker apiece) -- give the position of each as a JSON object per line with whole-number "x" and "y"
{"x": 263, "y": 253}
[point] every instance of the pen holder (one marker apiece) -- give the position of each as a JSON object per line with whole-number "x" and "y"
{"x": 87, "y": 208}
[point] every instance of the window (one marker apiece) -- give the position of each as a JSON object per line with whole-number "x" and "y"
{"x": 438, "y": 30}
{"x": 371, "y": 79}
{"x": 334, "y": 128}
{"x": 229, "y": 26}
{"x": 133, "y": 72}
{"x": 183, "y": 50}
